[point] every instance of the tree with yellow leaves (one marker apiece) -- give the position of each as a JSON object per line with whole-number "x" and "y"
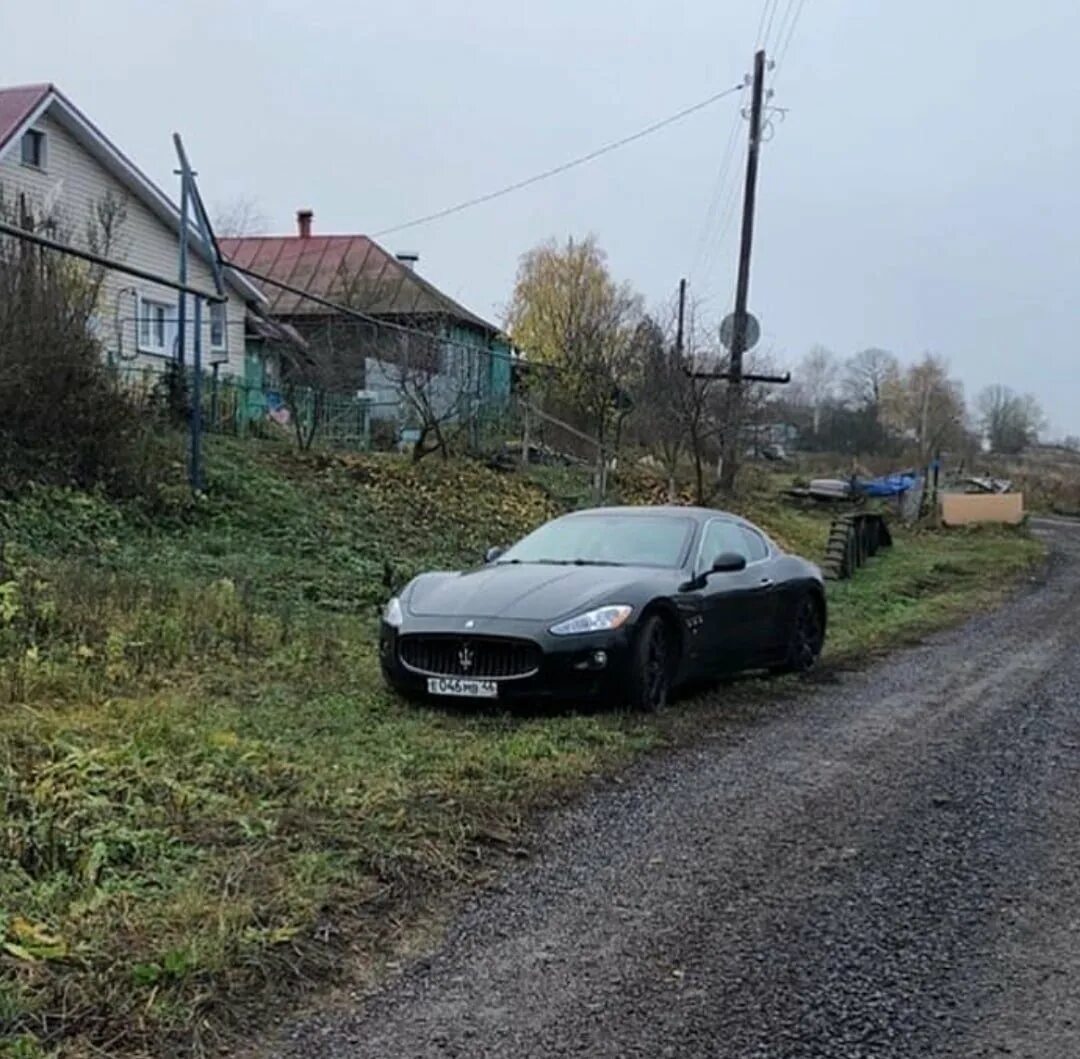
{"x": 577, "y": 325}
{"x": 926, "y": 405}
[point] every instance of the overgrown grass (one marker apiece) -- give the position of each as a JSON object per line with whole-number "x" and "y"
{"x": 207, "y": 798}
{"x": 928, "y": 579}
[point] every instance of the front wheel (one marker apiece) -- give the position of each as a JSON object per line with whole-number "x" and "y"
{"x": 806, "y": 636}
{"x": 649, "y": 686}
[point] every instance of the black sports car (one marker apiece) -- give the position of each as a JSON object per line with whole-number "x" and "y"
{"x": 622, "y": 602}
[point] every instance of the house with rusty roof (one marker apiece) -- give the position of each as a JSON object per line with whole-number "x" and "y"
{"x": 356, "y": 272}
{"x": 61, "y": 176}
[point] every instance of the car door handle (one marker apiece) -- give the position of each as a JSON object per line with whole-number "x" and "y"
{"x": 766, "y": 582}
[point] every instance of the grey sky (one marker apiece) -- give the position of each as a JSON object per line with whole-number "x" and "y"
{"x": 920, "y": 195}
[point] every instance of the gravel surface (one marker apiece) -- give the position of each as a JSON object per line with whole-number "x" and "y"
{"x": 887, "y": 865}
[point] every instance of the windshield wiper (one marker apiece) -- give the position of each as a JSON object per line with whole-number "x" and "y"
{"x": 578, "y": 562}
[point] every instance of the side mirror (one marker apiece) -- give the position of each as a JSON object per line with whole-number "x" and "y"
{"x": 493, "y": 553}
{"x": 728, "y": 563}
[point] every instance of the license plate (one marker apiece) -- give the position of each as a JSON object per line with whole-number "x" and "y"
{"x": 468, "y": 689}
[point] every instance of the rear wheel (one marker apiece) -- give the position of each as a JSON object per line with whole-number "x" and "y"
{"x": 806, "y": 636}
{"x": 649, "y": 686}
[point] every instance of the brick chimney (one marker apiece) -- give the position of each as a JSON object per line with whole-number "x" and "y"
{"x": 303, "y": 223}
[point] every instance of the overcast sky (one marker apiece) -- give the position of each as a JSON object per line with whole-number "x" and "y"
{"x": 923, "y": 192}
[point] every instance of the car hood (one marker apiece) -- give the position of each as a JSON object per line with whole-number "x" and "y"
{"x": 530, "y": 591}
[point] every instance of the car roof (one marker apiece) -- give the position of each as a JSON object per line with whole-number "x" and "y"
{"x": 698, "y": 513}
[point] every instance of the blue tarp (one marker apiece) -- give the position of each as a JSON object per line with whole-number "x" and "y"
{"x": 889, "y": 485}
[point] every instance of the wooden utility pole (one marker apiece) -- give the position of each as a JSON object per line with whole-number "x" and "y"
{"x": 679, "y": 333}
{"x": 730, "y": 442}
{"x": 526, "y": 438}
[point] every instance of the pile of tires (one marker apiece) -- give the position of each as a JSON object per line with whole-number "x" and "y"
{"x": 854, "y": 538}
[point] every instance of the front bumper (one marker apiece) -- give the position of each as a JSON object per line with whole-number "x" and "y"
{"x": 568, "y": 669}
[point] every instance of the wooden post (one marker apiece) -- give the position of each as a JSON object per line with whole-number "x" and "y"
{"x": 729, "y": 456}
{"x": 525, "y": 440}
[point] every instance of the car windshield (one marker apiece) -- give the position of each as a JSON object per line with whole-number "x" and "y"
{"x": 606, "y": 540}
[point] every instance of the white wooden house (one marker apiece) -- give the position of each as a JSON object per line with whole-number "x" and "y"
{"x": 59, "y": 170}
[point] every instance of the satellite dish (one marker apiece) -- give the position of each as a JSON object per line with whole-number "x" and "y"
{"x": 727, "y": 331}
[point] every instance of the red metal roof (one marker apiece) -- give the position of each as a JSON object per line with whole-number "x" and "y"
{"x": 16, "y": 105}
{"x": 351, "y": 269}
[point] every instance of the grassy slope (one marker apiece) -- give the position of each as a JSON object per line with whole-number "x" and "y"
{"x": 204, "y": 790}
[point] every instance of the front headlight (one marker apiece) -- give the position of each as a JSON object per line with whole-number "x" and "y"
{"x": 392, "y": 614}
{"x": 602, "y": 619}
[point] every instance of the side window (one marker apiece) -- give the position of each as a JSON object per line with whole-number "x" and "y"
{"x": 720, "y": 537}
{"x": 756, "y": 548}
{"x": 33, "y": 149}
{"x": 218, "y": 323}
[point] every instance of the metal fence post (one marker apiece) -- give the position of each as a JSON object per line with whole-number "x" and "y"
{"x": 196, "y": 401}
{"x": 214, "y": 396}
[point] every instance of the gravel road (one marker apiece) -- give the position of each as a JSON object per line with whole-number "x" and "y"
{"x": 883, "y": 865}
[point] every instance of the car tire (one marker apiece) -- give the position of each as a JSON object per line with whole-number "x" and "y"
{"x": 649, "y": 684}
{"x": 805, "y": 636}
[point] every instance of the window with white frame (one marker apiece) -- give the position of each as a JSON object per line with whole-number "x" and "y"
{"x": 33, "y": 148}
{"x": 218, "y": 328}
{"x": 157, "y": 326}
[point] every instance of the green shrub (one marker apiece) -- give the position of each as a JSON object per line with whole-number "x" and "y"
{"x": 64, "y": 419}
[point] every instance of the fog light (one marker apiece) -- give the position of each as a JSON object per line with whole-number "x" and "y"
{"x": 599, "y": 659}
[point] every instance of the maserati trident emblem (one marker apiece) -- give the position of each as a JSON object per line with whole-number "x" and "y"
{"x": 465, "y": 658}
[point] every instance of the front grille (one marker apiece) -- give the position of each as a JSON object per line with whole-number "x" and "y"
{"x": 484, "y": 658}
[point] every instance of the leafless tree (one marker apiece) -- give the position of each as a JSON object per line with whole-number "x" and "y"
{"x": 313, "y": 363}
{"x": 109, "y": 214}
{"x": 436, "y": 382}
{"x": 1009, "y": 421}
{"x": 239, "y": 216}
{"x": 304, "y": 397}
{"x": 866, "y": 374}
{"x": 679, "y": 409}
{"x": 927, "y": 405}
{"x": 815, "y": 382}
{"x": 660, "y": 397}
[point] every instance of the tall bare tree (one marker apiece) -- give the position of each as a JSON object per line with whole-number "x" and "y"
{"x": 927, "y": 405}
{"x": 437, "y": 382}
{"x": 1009, "y": 421}
{"x": 660, "y": 397}
{"x": 815, "y": 381}
{"x": 239, "y": 216}
{"x": 866, "y": 374}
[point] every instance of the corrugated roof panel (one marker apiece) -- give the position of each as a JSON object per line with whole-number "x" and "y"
{"x": 16, "y": 105}
{"x": 351, "y": 269}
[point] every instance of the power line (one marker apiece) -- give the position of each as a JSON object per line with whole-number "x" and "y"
{"x": 572, "y": 164}
{"x": 107, "y": 263}
{"x": 713, "y": 233}
{"x": 758, "y": 39}
{"x": 718, "y": 232}
{"x": 713, "y": 258}
{"x": 781, "y": 26}
{"x": 782, "y": 52}
{"x": 785, "y": 31}
{"x": 342, "y": 308}
{"x": 719, "y": 187}
{"x": 376, "y": 322}
{"x": 768, "y": 28}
